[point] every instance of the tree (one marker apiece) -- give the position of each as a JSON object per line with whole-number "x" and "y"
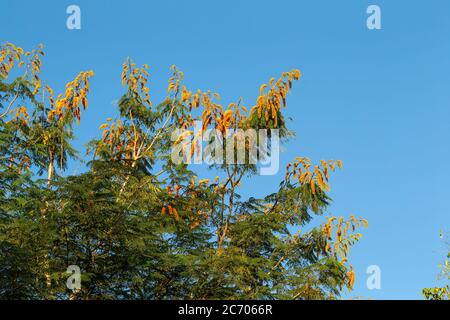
{"x": 142, "y": 226}
{"x": 441, "y": 293}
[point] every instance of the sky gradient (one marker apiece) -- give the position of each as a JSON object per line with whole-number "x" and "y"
{"x": 379, "y": 100}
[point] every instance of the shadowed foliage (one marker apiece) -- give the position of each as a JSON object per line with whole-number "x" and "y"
{"x": 141, "y": 226}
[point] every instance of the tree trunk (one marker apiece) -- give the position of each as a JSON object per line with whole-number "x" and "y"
{"x": 51, "y": 168}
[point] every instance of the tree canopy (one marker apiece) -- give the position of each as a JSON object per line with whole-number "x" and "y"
{"x": 141, "y": 226}
{"x": 442, "y": 292}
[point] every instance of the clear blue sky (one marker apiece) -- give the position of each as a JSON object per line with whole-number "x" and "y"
{"x": 379, "y": 100}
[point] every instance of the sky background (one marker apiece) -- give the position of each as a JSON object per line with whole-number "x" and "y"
{"x": 379, "y": 100}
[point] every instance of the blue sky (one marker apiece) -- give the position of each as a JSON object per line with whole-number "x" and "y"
{"x": 377, "y": 99}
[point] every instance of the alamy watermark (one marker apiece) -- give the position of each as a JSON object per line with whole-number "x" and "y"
{"x": 73, "y": 22}
{"x": 374, "y": 280}
{"x": 74, "y": 281}
{"x": 374, "y": 20}
{"x": 254, "y": 147}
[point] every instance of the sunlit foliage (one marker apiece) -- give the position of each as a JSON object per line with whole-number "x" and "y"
{"x": 140, "y": 226}
{"x": 442, "y": 292}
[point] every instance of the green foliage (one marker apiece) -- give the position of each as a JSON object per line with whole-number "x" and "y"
{"x": 140, "y": 226}
{"x": 441, "y": 293}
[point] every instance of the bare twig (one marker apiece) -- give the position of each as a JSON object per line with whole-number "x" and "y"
{"x": 10, "y": 105}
